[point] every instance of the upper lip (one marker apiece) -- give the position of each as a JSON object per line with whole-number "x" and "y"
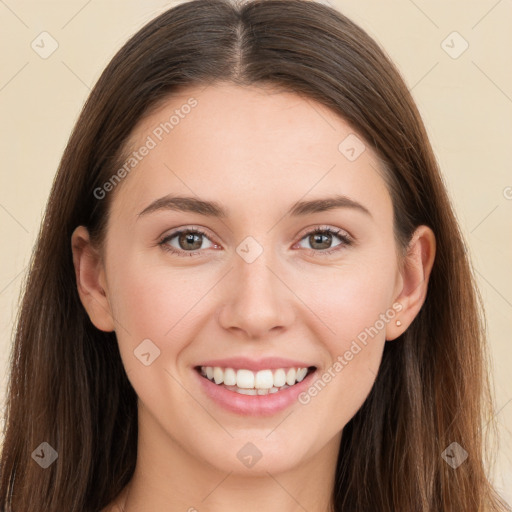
{"x": 271, "y": 363}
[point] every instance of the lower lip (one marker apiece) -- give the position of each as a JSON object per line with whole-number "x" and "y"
{"x": 254, "y": 405}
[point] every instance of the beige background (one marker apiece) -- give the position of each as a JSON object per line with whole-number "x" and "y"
{"x": 466, "y": 103}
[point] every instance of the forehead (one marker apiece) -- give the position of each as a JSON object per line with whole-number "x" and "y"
{"x": 248, "y": 146}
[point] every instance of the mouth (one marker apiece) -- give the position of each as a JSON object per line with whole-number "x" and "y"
{"x": 257, "y": 383}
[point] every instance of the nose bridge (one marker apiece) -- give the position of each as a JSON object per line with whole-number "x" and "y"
{"x": 253, "y": 274}
{"x": 255, "y": 281}
{"x": 256, "y": 300}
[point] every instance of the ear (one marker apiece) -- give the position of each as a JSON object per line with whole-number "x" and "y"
{"x": 413, "y": 280}
{"x": 90, "y": 280}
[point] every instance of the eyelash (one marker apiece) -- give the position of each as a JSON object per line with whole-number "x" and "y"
{"x": 345, "y": 239}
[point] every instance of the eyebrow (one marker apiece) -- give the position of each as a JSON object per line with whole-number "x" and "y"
{"x": 214, "y": 209}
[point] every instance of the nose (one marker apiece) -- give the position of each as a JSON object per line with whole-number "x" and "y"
{"x": 256, "y": 300}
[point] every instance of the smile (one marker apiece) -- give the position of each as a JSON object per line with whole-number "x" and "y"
{"x": 262, "y": 382}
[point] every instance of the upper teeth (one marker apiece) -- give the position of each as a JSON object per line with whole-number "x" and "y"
{"x": 247, "y": 379}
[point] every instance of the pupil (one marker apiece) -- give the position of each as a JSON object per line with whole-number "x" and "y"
{"x": 317, "y": 237}
{"x": 189, "y": 239}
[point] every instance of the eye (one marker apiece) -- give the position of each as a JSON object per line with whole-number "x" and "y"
{"x": 187, "y": 240}
{"x": 320, "y": 239}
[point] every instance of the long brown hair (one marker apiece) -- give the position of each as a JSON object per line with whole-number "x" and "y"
{"x": 67, "y": 383}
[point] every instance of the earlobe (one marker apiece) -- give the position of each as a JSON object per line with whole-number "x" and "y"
{"x": 414, "y": 280}
{"x": 90, "y": 280}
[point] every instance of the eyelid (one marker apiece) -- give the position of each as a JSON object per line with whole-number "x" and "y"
{"x": 185, "y": 229}
{"x": 324, "y": 227}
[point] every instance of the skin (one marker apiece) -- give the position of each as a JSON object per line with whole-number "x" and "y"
{"x": 256, "y": 152}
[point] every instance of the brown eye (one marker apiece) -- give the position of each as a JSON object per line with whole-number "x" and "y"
{"x": 185, "y": 242}
{"x": 321, "y": 240}
{"x": 190, "y": 241}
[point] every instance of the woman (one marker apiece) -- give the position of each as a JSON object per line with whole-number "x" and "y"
{"x": 318, "y": 345}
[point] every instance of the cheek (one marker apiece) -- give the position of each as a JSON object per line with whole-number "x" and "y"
{"x": 157, "y": 302}
{"x": 350, "y": 298}
{"x": 149, "y": 298}
{"x": 155, "y": 309}
{"x": 352, "y": 307}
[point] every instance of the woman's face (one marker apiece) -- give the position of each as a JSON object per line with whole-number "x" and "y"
{"x": 258, "y": 290}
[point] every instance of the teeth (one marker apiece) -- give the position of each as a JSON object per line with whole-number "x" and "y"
{"x": 244, "y": 379}
{"x": 229, "y": 377}
{"x": 218, "y": 375}
{"x": 255, "y": 391}
{"x": 247, "y": 391}
{"x": 279, "y": 378}
{"x": 290, "y": 377}
{"x": 264, "y": 379}
{"x": 301, "y": 373}
{"x": 248, "y": 382}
